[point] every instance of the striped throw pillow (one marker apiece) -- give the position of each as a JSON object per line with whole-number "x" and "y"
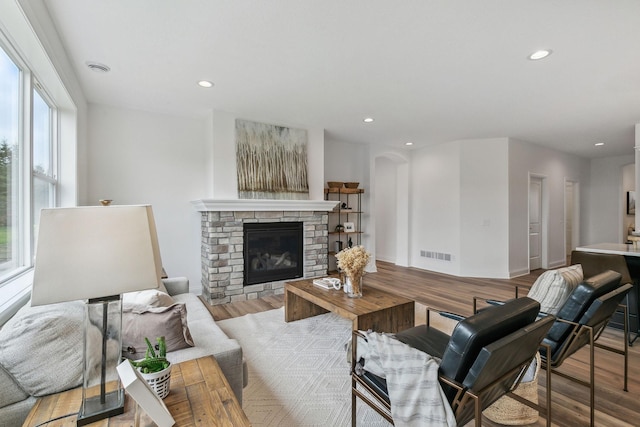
{"x": 553, "y": 287}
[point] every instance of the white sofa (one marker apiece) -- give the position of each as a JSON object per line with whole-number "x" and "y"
{"x": 18, "y": 392}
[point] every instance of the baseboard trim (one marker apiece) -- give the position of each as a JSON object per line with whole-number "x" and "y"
{"x": 557, "y": 264}
{"x": 518, "y": 273}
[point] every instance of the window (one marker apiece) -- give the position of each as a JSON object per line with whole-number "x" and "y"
{"x": 27, "y": 131}
{"x": 44, "y": 180}
{"x": 10, "y": 77}
{"x": 39, "y": 110}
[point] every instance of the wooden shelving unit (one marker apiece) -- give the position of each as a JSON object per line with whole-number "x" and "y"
{"x": 352, "y": 197}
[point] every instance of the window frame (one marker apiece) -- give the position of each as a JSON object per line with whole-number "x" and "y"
{"x": 24, "y": 249}
{"x": 35, "y": 46}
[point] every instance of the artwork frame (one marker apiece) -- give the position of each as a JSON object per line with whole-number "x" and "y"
{"x": 349, "y": 227}
{"x": 271, "y": 161}
{"x": 631, "y": 202}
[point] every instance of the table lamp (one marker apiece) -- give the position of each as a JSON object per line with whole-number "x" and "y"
{"x": 95, "y": 254}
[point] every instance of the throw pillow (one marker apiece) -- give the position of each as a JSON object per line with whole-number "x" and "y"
{"x": 139, "y": 322}
{"x": 147, "y": 298}
{"x": 553, "y": 287}
{"x": 41, "y": 347}
{"x": 572, "y": 274}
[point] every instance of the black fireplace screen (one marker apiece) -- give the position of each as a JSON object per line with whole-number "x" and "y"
{"x": 272, "y": 251}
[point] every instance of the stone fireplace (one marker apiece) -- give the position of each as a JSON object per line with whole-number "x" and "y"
{"x": 223, "y": 250}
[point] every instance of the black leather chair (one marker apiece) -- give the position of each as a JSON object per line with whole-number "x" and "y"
{"x": 580, "y": 321}
{"x": 483, "y": 359}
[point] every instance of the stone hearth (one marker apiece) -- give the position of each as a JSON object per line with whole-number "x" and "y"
{"x": 222, "y": 243}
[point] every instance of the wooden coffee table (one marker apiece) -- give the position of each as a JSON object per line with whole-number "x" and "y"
{"x": 199, "y": 395}
{"x": 377, "y": 310}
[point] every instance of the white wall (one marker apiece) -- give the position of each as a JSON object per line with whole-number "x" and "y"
{"x": 605, "y": 206}
{"x": 435, "y": 206}
{"x": 555, "y": 167}
{"x": 460, "y": 207}
{"x": 484, "y": 208}
{"x": 385, "y": 209}
{"x": 136, "y": 157}
{"x": 470, "y": 199}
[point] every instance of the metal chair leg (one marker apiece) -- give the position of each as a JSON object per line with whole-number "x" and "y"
{"x": 592, "y": 379}
{"x": 548, "y": 367}
{"x": 627, "y": 317}
{"x": 353, "y": 405}
{"x": 626, "y": 338}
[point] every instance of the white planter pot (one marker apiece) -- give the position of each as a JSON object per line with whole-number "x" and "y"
{"x": 159, "y": 381}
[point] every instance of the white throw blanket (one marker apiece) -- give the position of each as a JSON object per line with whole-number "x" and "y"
{"x": 412, "y": 381}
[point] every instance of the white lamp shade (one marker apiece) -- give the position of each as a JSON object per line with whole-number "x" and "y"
{"x": 93, "y": 252}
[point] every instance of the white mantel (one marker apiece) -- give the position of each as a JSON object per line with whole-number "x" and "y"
{"x": 215, "y": 205}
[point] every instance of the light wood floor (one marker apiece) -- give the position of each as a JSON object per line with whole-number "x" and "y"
{"x": 614, "y": 407}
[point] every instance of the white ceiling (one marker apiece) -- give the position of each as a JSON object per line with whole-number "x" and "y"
{"x": 428, "y": 71}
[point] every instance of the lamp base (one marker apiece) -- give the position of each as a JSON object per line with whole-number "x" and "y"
{"x": 93, "y": 410}
{"x": 102, "y": 392}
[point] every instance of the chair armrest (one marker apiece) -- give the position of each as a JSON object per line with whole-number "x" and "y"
{"x": 443, "y": 313}
{"x": 517, "y": 291}
{"x": 176, "y": 285}
{"x": 354, "y": 350}
{"x": 490, "y": 302}
{"x": 543, "y": 314}
{"x": 453, "y": 316}
{"x": 458, "y": 387}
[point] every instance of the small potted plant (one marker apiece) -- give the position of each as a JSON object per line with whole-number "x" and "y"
{"x": 155, "y": 368}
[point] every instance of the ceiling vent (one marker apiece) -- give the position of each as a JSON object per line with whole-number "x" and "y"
{"x": 98, "y": 67}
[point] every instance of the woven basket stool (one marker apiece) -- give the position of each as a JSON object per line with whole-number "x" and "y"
{"x": 507, "y": 411}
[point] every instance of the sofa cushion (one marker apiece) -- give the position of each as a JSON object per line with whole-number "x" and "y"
{"x": 30, "y": 339}
{"x": 209, "y": 339}
{"x": 11, "y": 391}
{"x": 139, "y": 322}
{"x": 148, "y": 298}
{"x": 553, "y": 287}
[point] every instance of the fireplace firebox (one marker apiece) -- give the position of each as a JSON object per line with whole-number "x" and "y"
{"x": 272, "y": 251}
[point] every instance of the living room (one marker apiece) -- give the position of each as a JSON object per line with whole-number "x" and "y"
{"x": 459, "y": 193}
{"x": 168, "y": 160}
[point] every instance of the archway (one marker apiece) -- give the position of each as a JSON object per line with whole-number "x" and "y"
{"x": 390, "y": 208}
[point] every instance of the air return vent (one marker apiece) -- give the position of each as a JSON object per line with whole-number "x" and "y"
{"x": 441, "y": 256}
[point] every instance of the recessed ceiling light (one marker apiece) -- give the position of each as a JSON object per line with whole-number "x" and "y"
{"x": 368, "y": 119}
{"x": 540, "y": 54}
{"x": 408, "y": 143}
{"x": 599, "y": 144}
{"x": 205, "y": 83}
{"x": 98, "y": 67}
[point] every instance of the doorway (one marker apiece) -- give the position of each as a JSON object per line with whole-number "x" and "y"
{"x": 390, "y": 202}
{"x": 535, "y": 223}
{"x": 572, "y": 215}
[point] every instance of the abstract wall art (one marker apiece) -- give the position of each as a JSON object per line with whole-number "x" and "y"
{"x": 271, "y": 161}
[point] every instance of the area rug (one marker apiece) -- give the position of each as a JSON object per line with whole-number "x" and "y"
{"x": 298, "y": 371}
